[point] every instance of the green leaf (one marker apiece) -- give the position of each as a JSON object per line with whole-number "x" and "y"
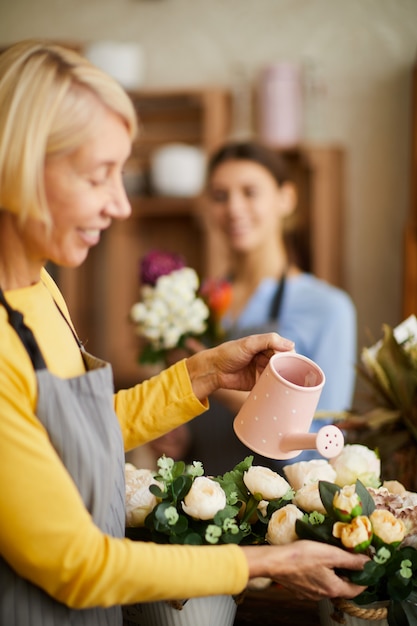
{"x": 180, "y": 487}
{"x": 232, "y": 481}
{"x": 317, "y": 532}
{"x": 158, "y": 492}
{"x": 370, "y": 575}
{"x": 368, "y": 504}
{"x": 193, "y": 539}
{"x": 327, "y": 493}
{"x": 396, "y": 615}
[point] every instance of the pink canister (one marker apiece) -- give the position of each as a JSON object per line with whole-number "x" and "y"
{"x": 280, "y": 118}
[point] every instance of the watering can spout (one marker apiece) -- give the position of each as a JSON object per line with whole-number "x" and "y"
{"x": 328, "y": 441}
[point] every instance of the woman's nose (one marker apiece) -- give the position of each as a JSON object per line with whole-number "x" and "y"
{"x": 234, "y": 205}
{"x": 118, "y": 206}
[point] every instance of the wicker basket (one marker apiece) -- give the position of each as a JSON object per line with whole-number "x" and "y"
{"x": 340, "y": 611}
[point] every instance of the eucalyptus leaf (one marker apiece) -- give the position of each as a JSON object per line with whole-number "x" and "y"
{"x": 180, "y": 487}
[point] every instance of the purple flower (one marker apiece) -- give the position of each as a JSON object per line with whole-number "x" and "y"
{"x": 157, "y": 263}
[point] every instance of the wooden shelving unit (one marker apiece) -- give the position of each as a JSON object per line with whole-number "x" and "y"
{"x": 102, "y": 291}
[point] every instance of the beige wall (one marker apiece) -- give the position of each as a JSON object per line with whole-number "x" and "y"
{"x": 366, "y": 49}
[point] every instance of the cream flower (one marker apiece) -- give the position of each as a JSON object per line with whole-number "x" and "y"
{"x": 357, "y": 462}
{"x": 387, "y": 528}
{"x": 139, "y": 500}
{"x": 356, "y": 535}
{"x": 347, "y": 504}
{"x": 308, "y": 499}
{"x": 307, "y": 472}
{"x": 205, "y": 499}
{"x": 281, "y": 526}
{"x": 266, "y": 482}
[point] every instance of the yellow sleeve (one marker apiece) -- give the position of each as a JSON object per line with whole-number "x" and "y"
{"x": 157, "y": 406}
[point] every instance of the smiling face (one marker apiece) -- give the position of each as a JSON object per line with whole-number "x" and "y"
{"x": 84, "y": 191}
{"x": 247, "y": 204}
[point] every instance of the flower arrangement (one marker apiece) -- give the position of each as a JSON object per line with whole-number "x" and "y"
{"x": 170, "y": 309}
{"x": 338, "y": 501}
{"x": 173, "y": 307}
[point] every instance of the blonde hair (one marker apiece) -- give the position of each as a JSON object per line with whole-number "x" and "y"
{"x": 48, "y": 96}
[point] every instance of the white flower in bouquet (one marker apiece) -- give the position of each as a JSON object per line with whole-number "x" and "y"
{"x": 139, "y": 500}
{"x": 308, "y": 498}
{"x": 307, "y": 472}
{"x": 205, "y": 498}
{"x": 265, "y": 483}
{"x": 357, "y": 462}
{"x": 281, "y": 526}
{"x": 170, "y": 309}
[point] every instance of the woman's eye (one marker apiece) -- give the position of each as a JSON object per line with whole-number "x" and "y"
{"x": 218, "y": 196}
{"x": 250, "y": 192}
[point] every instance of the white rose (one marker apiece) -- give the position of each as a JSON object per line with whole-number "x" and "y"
{"x": 357, "y": 462}
{"x": 308, "y": 498}
{"x": 139, "y": 500}
{"x": 307, "y": 472}
{"x": 264, "y": 481}
{"x": 281, "y": 526}
{"x": 205, "y": 499}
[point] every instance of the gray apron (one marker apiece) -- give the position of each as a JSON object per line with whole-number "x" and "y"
{"x": 83, "y": 428}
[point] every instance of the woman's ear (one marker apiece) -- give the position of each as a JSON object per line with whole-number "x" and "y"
{"x": 288, "y": 199}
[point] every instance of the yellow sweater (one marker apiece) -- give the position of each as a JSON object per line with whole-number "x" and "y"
{"x": 47, "y": 535}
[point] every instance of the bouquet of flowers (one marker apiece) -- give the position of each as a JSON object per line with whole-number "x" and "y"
{"x": 173, "y": 308}
{"x": 340, "y": 502}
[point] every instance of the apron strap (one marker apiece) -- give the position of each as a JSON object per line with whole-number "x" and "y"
{"x": 26, "y": 335}
{"x": 276, "y": 304}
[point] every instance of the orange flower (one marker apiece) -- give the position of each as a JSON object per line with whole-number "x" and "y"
{"x": 218, "y": 295}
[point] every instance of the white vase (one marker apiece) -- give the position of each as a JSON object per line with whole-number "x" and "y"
{"x": 330, "y": 617}
{"x": 206, "y": 611}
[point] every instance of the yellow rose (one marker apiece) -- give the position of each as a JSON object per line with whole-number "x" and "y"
{"x": 347, "y": 504}
{"x": 281, "y": 526}
{"x": 387, "y": 528}
{"x": 356, "y": 535}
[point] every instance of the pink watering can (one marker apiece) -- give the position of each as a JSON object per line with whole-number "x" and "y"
{"x": 276, "y": 417}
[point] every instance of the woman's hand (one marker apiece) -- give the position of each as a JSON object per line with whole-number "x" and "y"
{"x": 234, "y": 364}
{"x": 306, "y": 568}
